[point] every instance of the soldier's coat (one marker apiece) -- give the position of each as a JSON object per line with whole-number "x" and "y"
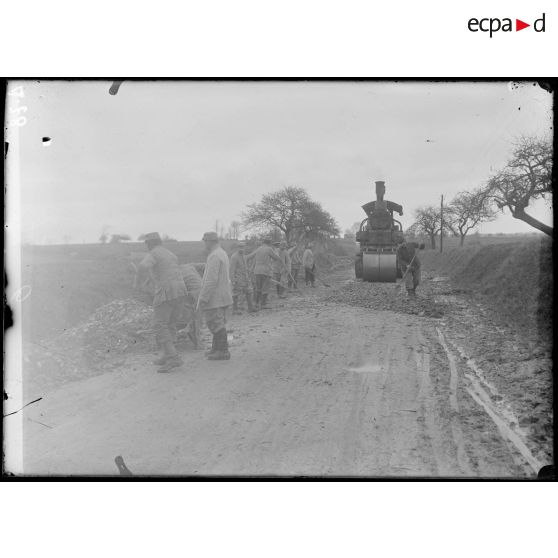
{"x": 263, "y": 257}
{"x": 239, "y": 270}
{"x": 308, "y": 258}
{"x": 163, "y": 265}
{"x": 216, "y": 285}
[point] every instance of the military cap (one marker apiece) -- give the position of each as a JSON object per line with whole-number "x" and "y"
{"x": 211, "y": 235}
{"x": 152, "y": 236}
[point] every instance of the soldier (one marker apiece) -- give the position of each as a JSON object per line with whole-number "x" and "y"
{"x": 240, "y": 277}
{"x": 309, "y": 265}
{"x": 251, "y": 264}
{"x": 296, "y": 262}
{"x": 284, "y": 276}
{"x": 216, "y": 296}
{"x": 407, "y": 255}
{"x": 263, "y": 256}
{"x": 193, "y": 282}
{"x": 168, "y": 301}
{"x": 277, "y": 267}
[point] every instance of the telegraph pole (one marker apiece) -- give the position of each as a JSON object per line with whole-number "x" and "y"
{"x": 441, "y": 223}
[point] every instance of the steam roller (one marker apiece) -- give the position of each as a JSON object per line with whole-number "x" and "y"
{"x": 378, "y": 237}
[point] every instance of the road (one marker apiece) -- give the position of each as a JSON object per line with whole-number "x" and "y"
{"x": 313, "y": 388}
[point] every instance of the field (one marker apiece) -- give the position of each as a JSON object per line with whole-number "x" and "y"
{"x": 322, "y": 384}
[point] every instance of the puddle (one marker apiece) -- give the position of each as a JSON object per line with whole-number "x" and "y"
{"x": 366, "y": 369}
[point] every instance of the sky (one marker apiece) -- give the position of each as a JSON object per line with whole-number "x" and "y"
{"x": 175, "y": 157}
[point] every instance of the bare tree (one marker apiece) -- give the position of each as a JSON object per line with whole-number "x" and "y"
{"x": 351, "y": 233}
{"x": 428, "y": 222}
{"x": 291, "y": 211}
{"x": 526, "y": 177}
{"x": 467, "y": 210}
{"x": 234, "y": 230}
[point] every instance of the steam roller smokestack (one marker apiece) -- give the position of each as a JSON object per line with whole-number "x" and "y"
{"x": 380, "y": 189}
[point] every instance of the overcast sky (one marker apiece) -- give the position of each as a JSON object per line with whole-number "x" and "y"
{"x": 174, "y": 157}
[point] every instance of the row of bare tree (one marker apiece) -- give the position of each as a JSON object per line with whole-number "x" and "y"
{"x": 291, "y": 214}
{"x": 526, "y": 177}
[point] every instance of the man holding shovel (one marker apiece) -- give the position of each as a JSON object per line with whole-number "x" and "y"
{"x": 407, "y": 255}
{"x": 216, "y": 296}
{"x": 295, "y": 266}
{"x": 161, "y": 266}
{"x": 240, "y": 278}
{"x": 309, "y": 265}
{"x": 263, "y": 257}
{"x": 285, "y": 272}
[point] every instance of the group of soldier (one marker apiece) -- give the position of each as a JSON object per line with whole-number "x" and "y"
{"x": 181, "y": 295}
{"x": 270, "y": 264}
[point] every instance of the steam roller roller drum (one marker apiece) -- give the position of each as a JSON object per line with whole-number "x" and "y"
{"x": 380, "y": 268}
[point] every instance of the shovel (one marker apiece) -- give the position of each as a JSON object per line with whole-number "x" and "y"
{"x": 290, "y": 277}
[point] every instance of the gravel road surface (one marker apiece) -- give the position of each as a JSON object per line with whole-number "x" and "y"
{"x": 320, "y": 385}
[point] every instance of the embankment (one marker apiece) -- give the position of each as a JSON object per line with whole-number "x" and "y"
{"x": 513, "y": 279}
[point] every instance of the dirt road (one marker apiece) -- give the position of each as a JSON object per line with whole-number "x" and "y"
{"x": 314, "y": 387}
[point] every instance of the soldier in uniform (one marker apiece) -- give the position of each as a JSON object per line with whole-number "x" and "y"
{"x": 263, "y": 257}
{"x": 168, "y": 301}
{"x": 216, "y": 296}
{"x": 276, "y": 268}
{"x": 240, "y": 277}
{"x": 407, "y": 256}
{"x": 296, "y": 262}
{"x": 285, "y": 272}
{"x": 251, "y": 263}
{"x": 309, "y": 265}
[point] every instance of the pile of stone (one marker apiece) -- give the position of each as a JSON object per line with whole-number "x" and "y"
{"x": 97, "y": 345}
{"x": 119, "y": 327}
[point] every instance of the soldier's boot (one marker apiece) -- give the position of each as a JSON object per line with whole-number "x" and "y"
{"x": 173, "y": 358}
{"x": 264, "y": 305}
{"x": 250, "y": 304}
{"x": 163, "y": 358}
{"x": 194, "y": 339}
{"x": 213, "y": 348}
{"x": 222, "y": 344}
{"x": 235, "y": 305}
